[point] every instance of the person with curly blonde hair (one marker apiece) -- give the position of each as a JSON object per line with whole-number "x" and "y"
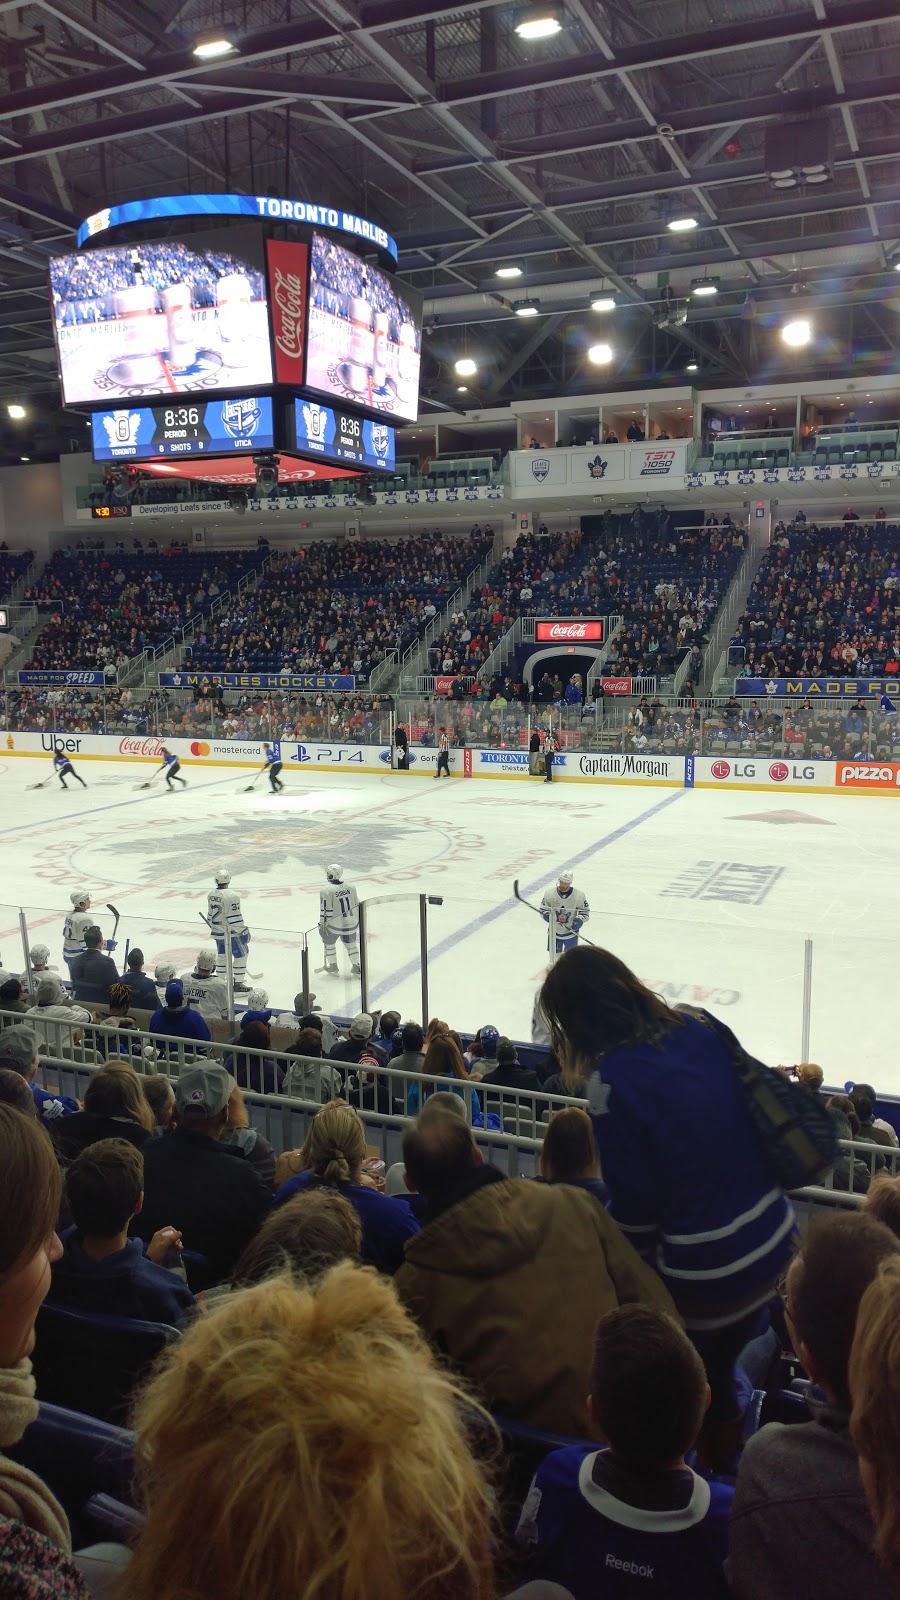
{"x": 313, "y": 1437}
{"x": 875, "y": 1417}
{"x": 332, "y": 1156}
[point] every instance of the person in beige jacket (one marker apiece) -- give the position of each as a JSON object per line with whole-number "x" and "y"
{"x": 508, "y": 1277}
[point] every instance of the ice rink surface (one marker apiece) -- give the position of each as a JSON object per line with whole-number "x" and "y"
{"x": 708, "y": 895}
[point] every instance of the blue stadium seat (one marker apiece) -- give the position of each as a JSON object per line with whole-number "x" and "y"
{"x": 91, "y": 1363}
{"x": 78, "y": 1457}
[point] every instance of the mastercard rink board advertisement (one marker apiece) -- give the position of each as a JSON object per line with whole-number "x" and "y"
{"x": 571, "y": 766}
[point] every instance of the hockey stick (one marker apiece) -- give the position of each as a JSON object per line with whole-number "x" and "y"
{"x": 532, "y": 907}
{"x": 116, "y": 915}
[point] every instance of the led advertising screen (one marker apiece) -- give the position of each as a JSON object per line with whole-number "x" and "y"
{"x": 183, "y": 428}
{"x": 363, "y": 333}
{"x": 164, "y": 319}
{"x": 341, "y": 436}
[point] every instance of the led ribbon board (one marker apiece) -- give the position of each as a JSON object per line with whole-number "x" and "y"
{"x": 262, "y": 207}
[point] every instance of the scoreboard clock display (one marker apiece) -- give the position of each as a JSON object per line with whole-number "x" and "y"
{"x": 341, "y": 436}
{"x": 183, "y": 428}
{"x": 100, "y": 513}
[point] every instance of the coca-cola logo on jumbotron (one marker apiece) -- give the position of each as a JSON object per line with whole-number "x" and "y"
{"x": 288, "y": 296}
{"x": 720, "y": 769}
{"x": 567, "y": 631}
{"x": 141, "y": 747}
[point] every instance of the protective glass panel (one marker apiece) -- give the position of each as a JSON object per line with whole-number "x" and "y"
{"x": 392, "y": 958}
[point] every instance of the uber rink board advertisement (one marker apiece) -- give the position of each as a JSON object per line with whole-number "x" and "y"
{"x": 570, "y": 766}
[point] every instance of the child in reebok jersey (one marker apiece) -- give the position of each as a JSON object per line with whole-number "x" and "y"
{"x": 630, "y": 1518}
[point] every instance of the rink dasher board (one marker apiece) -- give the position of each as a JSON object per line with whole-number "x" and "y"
{"x": 789, "y": 776}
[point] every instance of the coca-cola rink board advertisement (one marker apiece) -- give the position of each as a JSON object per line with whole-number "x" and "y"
{"x": 571, "y": 630}
{"x": 288, "y": 265}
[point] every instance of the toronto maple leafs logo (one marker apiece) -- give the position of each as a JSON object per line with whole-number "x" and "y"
{"x": 874, "y": 469}
{"x": 540, "y": 469}
{"x": 770, "y": 475}
{"x": 331, "y": 501}
{"x": 796, "y": 474}
{"x": 309, "y": 503}
{"x": 597, "y": 468}
{"x": 849, "y": 470}
{"x": 471, "y": 494}
{"x": 822, "y": 474}
{"x": 122, "y": 428}
{"x": 720, "y": 478}
{"x": 412, "y": 497}
{"x": 390, "y": 498}
{"x": 452, "y": 494}
{"x": 695, "y": 480}
{"x": 315, "y": 421}
{"x": 431, "y": 496}
{"x": 746, "y": 475}
{"x": 494, "y": 494}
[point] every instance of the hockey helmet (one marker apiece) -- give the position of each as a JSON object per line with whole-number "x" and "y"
{"x": 39, "y": 955}
{"x": 223, "y": 876}
{"x": 566, "y": 877}
{"x": 206, "y": 959}
{"x": 334, "y": 873}
{"x": 163, "y": 971}
{"x": 257, "y": 1000}
{"x": 80, "y": 897}
{"x": 488, "y": 1037}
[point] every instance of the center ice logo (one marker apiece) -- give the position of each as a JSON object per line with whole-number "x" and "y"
{"x": 240, "y": 418}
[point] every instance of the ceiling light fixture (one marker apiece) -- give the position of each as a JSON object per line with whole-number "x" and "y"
{"x": 705, "y": 286}
{"x": 17, "y": 412}
{"x": 681, "y": 224}
{"x": 466, "y": 367}
{"x": 602, "y": 301}
{"x": 213, "y": 49}
{"x": 508, "y": 272}
{"x": 692, "y": 366}
{"x": 541, "y": 23}
{"x": 600, "y": 354}
{"x": 526, "y": 308}
{"x": 796, "y": 333}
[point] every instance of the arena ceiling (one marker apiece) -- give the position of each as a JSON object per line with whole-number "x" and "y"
{"x": 566, "y": 157}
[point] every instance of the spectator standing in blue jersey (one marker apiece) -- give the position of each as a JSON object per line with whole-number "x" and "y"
{"x": 708, "y": 1213}
{"x": 630, "y": 1515}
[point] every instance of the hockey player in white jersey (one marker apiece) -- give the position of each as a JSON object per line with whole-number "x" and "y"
{"x": 203, "y": 989}
{"x": 79, "y": 918}
{"x": 226, "y": 920}
{"x": 565, "y": 910}
{"x": 40, "y": 968}
{"x": 339, "y": 919}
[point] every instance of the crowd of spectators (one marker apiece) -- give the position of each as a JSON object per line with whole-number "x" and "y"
{"x": 348, "y": 1333}
{"x": 84, "y": 287}
{"x": 13, "y": 564}
{"x": 825, "y": 603}
{"x": 666, "y": 583}
{"x": 338, "y": 607}
{"x": 337, "y": 277}
{"x": 107, "y": 606}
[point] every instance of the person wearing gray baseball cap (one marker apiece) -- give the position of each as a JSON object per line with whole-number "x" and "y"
{"x": 19, "y": 1051}
{"x": 193, "y": 1182}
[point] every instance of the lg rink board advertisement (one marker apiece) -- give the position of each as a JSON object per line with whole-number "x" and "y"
{"x": 183, "y": 428}
{"x": 162, "y": 319}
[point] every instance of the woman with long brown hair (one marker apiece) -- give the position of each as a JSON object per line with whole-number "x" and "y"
{"x": 443, "y": 1060}
{"x": 688, "y": 1178}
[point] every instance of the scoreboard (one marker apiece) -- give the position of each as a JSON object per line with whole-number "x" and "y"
{"x": 342, "y": 436}
{"x": 183, "y": 428}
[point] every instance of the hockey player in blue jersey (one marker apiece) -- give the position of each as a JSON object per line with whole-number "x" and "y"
{"x": 565, "y": 910}
{"x": 273, "y": 763}
{"x": 64, "y": 769}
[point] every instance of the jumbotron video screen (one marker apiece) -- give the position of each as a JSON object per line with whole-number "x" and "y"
{"x": 364, "y": 333}
{"x": 162, "y": 319}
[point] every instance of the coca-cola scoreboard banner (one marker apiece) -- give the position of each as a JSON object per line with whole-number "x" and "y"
{"x": 288, "y": 267}
{"x": 571, "y": 630}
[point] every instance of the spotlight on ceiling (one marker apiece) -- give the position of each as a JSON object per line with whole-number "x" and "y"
{"x": 701, "y": 286}
{"x": 541, "y": 23}
{"x": 511, "y": 271}
{"x": 681, "y": 224}
{"x": 238, "y": 501}
{"x": 692, "y": 366}
{"x": 266, "y": 470}
{"x": 17, "y": 412}
{"x": 213, "y": 48}
{"x": 526, "y": 308}
{"x": 602, "y": 301}
{"x": 466, "y": 367}
{"x": 796, "y": 333}
{"x": 600, "y": 354}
